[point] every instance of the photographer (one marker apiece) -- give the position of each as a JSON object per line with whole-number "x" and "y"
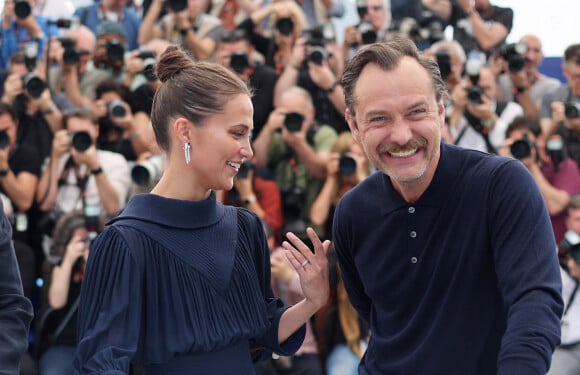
{"x": 74, "y": 77}
{"x": 559, "y": 113}
{"x": 477, "y": 119}
{"x": 557, "y": 176}
{"x": 60, "y": 293}
{"x": 315, "y": 66}
{"x": 186, "y": 24}
{"x": 522, "y": 81}
{"x": 111, "y": 49}
{"x": 566, "y": 357}
{"x": 79, "y": 176}
{"x": 20, "y": 26}
{"x": 235, "y": 52}
{"x": 121, "y": 130}
{"x": 296, "y": 149}
{"x": 116, "y": 11}
{"x": 19, "y": 172}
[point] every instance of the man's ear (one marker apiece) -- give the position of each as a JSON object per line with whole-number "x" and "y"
{"x": 351, "y": 121}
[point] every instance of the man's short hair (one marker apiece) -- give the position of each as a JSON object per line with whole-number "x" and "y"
{"x": 9, "y": 109}
{"x": 574, "y": 204}
{"x": 79, "y": 112}
{"x": 572, "y": 53}
{"x": 526, "y": 123}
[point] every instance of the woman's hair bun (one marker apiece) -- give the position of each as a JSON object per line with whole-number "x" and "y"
{"x": 171, "y": 62}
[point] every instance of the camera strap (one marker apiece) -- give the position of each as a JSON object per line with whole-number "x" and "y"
{"x": 476, "y": 124}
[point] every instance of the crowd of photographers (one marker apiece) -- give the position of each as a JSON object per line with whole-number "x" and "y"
{"x": 76, "y": 141}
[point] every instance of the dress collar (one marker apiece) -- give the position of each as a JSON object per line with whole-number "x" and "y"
{"x": 174, "y": 212}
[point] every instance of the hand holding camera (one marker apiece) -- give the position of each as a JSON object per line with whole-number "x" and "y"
{"x": 13, "y": 86}
{"x": 77, "y": 248}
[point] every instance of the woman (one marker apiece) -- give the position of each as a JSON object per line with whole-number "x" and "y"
{"x": 60, "y": 297}
{"x": 180, "y": 283}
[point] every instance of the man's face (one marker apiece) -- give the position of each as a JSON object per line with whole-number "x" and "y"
{"x": 225, "y": 50}
{"x": 534, "y": 55}
{"x": 487, "y": 83}
{"x": 76, "y": 124}
{"x": 295, "y": 103}
{"x": 398, "y": 121}
{"x": 572, "y": 74}
{"x": 376, "y": 14}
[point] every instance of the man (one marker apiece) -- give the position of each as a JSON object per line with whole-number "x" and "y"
{"x": 558, "y": 114}
{"x": 296, "y": 149}
{"x": 235, "y": 52}
{"x": 557, "y": 176}
{"x": 78, "y": 176}
{"x": 477, "y": 119}
{"x": 115, "y": 11}
{"x": 566, "y": 358}
{"x": 448, "y": 254}
{"x": 527, "y": 86}
{"x": 477, "y": 24}
{"x": 15, "y": 310}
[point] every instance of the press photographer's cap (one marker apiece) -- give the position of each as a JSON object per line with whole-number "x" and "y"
{"x": 110, "y": 27}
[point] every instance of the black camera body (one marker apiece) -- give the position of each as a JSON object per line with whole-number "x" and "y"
{"x": 177, "y": 5}
{"x": 245, "y": 167}
{"x": 346, "y": 165}
{"x": 475, "y": 94}
{"x": 570, "y": 245}
{"x": 65, "y": 23}
{"x": 555, "y": 149}
{"x": 367, "y": 32}
{"x": 239, "y": 62}
{"x": 81, "y": 141}
{"x": 522, "y": 148}
{"x": 285, "y": 26}
{"x": 115, "y": 50}
{"x": 572, "y": 110}
{"x": 4, "y": 139}
{"x": 443, "y": 59}
{"x": 293, "y": 205}
{"x": 293, "y": 121}
{"x": 513, "y": 53}
{"x": 22, "y": 9}
{"x": 317, "y": 54}
{"x": 33, "y": 85}
{"x": 149, "y": 60}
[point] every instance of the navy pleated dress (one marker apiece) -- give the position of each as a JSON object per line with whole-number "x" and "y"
{"x": 179, "y": 287}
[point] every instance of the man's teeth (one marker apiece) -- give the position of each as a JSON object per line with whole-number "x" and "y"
{"x": 235, "y": 165}
{"x": 403, "y": 154}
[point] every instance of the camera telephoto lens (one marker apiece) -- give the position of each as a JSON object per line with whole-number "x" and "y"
{"x": 33, "y": 85}
{"x": 115, "y": 50}
{"x": 22, "y": 9}
{"x": 70, "y": 56}
{"x": 317, "y": 55}
{"x": 148, "y": 171}
{"x": 285, "y": 26}
{"x": 177, "y": 5}
{"x": 346, "y": 165}
{"x": 521, "y": 149}
{"x": 4, "y": 139}
{"x": 444, "y": 61}
{"x": 572, "y": 110}
{"x": 239, "y": 62}
{"x": 116, "y": 108}
{"x": 474, "y": 94}
{"x": 81, "y": 141}
{"x": 293, "y": 121}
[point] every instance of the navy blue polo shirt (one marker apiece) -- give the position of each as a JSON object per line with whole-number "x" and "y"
{"x": 463, "y": 281}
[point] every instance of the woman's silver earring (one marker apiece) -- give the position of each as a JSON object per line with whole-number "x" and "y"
{"x": 186, "y": 149}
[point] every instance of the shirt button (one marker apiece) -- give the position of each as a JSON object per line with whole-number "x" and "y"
{"x": 414, "y": 260}
{"x": 413, "y": 234}
{"x": 411, "y": 210}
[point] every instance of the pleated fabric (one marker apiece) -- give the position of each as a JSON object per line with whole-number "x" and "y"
{"x": 179, "y": 287}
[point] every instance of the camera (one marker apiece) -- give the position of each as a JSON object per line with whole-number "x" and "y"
{"x": 317, "y": 55}
{"x": 149, "y": 61}
{"x": 81, "y": 141}
{"x": 367, "y": 32}
{"x": 427, "y": 28}
{"x": 92, "y": 219}
{"x": 22, "y": 9}
{"x": 321, "y": 34}
{"x": 115, "y": 50}
{"x": 246, "y": 167}
{"x": 148, "y": 171}
{"x": 33, "y": 85}
{"x": 555, "y": 149}
{"x": 239, "y": 62}
{"x": 571, "y": 245}
{"x": 293, "y": 121}
{"x": 4, "y": 139}
{"x": 513, "y": 53}
{"x": 443, "y": 59}
{"x": 293, "y": 201}
{"x": 361, "y": 8}
{"x": 116, "y": 108}
{"x": 346, "y": 165}
{"x": 475, "y": 94}
{"x": 65, "y": 23}
{"x": 572, "y": 110}
{"x": 285, "y": 26}
{"x": 177, "y": 5}
{"x": 522, "y": 148}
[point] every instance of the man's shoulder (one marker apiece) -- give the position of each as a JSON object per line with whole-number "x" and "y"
{"x": 111, "y": 159}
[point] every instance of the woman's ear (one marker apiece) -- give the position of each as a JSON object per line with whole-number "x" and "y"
{"x": 182, "y": 129}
